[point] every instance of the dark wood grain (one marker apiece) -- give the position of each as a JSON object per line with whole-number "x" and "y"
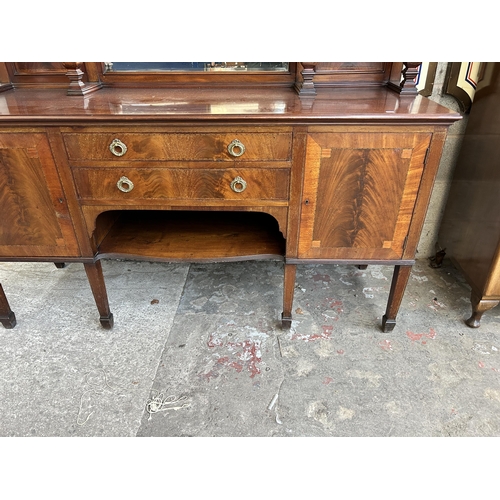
{"x": 187, "y": 146}
{"x": 206, "y": 106}
{"x": 35, "y": 218}
{"x": 182, "y": 184}
{"x": 359, "y": 194}
{"x": 194, "y": 236}
{"x": 342, "y": 177}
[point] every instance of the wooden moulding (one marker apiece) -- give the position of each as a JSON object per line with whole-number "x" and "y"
{"x": 407, "y": 76}
{"x": 193, "y": 236}
{"x": 77, "y": 87}
{"x": 5, "y": 83}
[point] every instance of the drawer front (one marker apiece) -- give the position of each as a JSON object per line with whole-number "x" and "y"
{"x": 130, "y": 184}
{"x": 126, "y": 147}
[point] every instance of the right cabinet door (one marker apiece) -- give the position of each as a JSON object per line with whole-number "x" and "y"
{"x": 359, "y": 193}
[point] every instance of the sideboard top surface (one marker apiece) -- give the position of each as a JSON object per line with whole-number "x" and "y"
{"x": 361, "y": 105}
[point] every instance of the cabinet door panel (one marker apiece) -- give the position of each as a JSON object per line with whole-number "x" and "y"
{"x": 359, "y": 194}
{"x": 35, "y": 220}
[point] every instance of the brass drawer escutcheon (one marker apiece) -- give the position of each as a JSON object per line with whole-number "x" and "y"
{"x": 236, "y": 148}
{"x": 125, "y": 185}
{"x": 238, "y": 185}
{"x": 117, "y": 147}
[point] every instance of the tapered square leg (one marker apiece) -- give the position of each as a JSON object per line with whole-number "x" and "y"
{"x": 288, "y": 291}
{"x": 98, "y": 287}
{"x": 398, "y": 287}
{"x": 7, "y": 317}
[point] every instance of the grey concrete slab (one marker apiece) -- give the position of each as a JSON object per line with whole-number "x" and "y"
{"x": 335, "y": 372}
{"x": 61, "y": 374}
{"x": 201, "y": 347}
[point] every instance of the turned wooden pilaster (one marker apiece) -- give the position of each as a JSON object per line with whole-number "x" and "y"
{"x": 306, "y": 87}
{"x": 409, "y": 73}
{"x": 77, "y": 86}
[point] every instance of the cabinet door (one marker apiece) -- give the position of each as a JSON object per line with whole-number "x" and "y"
{"x": 359, "y": 194}
{"x": 34, "y": 219}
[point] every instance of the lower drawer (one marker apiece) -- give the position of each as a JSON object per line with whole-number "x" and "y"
{"x": 131, "y": 185}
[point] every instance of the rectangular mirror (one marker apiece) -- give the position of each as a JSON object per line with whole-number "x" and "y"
{"x": 196, "y": 66}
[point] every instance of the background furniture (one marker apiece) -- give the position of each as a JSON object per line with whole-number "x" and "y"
{"x": 470, "y": 229}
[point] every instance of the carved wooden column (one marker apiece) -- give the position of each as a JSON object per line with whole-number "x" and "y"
{"x": 409, "y": 73}
{"x": 305, "y": 88}
{"x": 75, "y": 75}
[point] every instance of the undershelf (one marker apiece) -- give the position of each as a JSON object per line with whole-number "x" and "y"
{"x": 193, "y": 236}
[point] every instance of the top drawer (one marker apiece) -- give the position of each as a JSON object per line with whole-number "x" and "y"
{"x": 174, "y": 146}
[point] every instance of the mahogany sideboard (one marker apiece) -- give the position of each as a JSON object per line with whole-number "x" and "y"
{"x": 319, "y": 163}
{"x": 470, "y": 230}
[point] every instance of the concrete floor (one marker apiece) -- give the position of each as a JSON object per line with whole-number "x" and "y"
{"x": 197, "y": 350}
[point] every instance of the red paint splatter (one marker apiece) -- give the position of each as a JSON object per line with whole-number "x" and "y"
{"x": 337, "y": 305}
{"x": 211, "y": 374}
{"x": 322, "y": 277}
{"x": 340, "y": 351}
{"x": 418, "y": 336}
{"x": 481, "y": 364}
{"x": 332, "y": 303}
{"x": 385, "y": 345}
{"x": 327, "y": 333}
{"x": 327, "y": 380}
{"x": 214, "y": 342}
{"x": 248, "y": 355}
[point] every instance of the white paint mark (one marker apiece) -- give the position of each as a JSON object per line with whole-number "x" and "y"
{"x": 345, "y": 413}
{"x": 492, "y": 394}
{"x": 372, "y": 378}
{"x": 273, "y": 401}
{"x": 369, "y": 291}
{"x": 419, "y": 278}
{"x": 378, "y": 275}
{"x": 345, "y": 282}
{"x": 481, "y": 349}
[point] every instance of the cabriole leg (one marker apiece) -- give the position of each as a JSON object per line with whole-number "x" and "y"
{"x": 479, "y": 306}
{"x": 288, "y": 289}
{"x": 98, "y": 287}
{"x": 7, "y": 317}
{"x": 398, "y": 286}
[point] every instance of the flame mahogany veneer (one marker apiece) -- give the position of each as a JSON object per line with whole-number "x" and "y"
{"x": 214, "y": 173}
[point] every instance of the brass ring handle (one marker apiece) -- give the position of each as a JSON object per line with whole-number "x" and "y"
{"x": 125, "y": 185}
{"x": 238, "y": 185}
{"x": 236, "y": 148}
{"x": 117, "y": 147}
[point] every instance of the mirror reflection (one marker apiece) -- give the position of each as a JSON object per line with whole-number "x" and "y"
{"x": 196, "y": 66}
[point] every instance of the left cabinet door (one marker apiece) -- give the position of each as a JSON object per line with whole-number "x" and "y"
{"x": 34, "y": 216}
